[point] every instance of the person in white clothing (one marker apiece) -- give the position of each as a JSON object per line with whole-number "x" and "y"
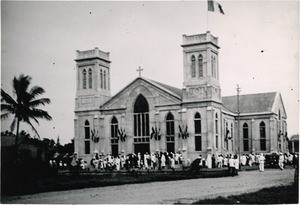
{"x": 146, "y": 156}
{"x": 280, "y": 161}
{"x": 118, "y": 163}
{"x": 236, "y": 164}
{"x": 163, "y": 161}
{"x": 231, "y": 167}
{"x": 261, "y": 160}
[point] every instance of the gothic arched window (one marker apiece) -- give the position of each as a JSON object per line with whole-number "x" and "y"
{"x": 212, "y": 66}
{"x": 227, "y": 133}
{"x": 193, "y": 66}
{"x": 216, "y": 131}
{"x": 114, "y": 136}
{"x": 84, "y": 79}
{"x": 215, "y": 67}
{"x": 90, "y": 78}
{"x": 87, "y": 131}
{"x": 170, "y": 133}
{"x": 104, "y": 79}
{"x": 141, "y": 120}
{"x": 200, "y": 64}
{"x": 101, "y": 79}
{"x": 246, "y": 137}
{"x": 231, "y": 132}
{"x": 262, "y": 134}
{"x": 198, "y": 131}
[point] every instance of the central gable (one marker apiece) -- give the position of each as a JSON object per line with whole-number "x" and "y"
{"x": 157, "y": 95}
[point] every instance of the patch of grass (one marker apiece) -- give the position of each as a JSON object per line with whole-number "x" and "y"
{"x": 273, "y": 195}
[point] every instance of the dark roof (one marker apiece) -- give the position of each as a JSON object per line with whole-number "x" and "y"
{"x": 252, "y": 103}
{"x": 175, "y": 90}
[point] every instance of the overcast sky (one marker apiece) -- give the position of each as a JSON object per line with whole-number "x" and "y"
{"x": 259, "y": 43}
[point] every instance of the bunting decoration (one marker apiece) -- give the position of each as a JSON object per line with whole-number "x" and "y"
{"x": 122, "y": 135}
{"x": 156, "y": 134}
{"x": 184, "y": 134}
{"x": 95, "y": 136}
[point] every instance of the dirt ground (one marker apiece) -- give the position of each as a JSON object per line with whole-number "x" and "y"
{"x": 184, "y": 191}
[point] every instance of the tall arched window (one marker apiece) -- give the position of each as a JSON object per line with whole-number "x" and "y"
{"x": 215, "y": 69}
{"x": 101, "y": 79}
{"x": 231, "y": 132}
{"x": 84, "y": 79}
{"x": 200, "y": 64}
{"x": 216, "y": 131}
{"x": 227, "y": 133}
{"x": 212, "y": 66}
{"x": 262, "y": 131}
{"x": 104, "y": 79}
{"x": 246, "y": 137}
{"x": 198, "y": 132}
{"x": 170, "y": 133}
{"x": 90, "y": 78}
{"x": 87, "y": 130}
{"x": 141, "y": 120}
{"x": 193, "y": 66}
{"x": 114, "y": 136}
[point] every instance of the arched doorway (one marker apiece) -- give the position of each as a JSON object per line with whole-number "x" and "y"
{"x": 141, "y": 133}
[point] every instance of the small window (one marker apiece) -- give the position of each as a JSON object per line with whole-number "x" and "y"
{"x": 200, "y": 64}
{"x": 90, "y": 78}
{"x": 104, "y": 79}
{"x": 101, "y": 79}
{"x": 84, "y": 79}
{"x": 193, "y": 66}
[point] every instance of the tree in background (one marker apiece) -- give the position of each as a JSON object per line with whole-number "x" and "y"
{"x": 24, "y": 107}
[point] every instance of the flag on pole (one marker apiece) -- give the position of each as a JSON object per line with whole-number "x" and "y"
{"x": 214, "y": 6}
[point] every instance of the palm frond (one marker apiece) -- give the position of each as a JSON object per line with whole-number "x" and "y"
{"x": 38, "y": 113}
{"x": 32, "y": 127}
{"x": 7, "y": 107}
{"x": 7, "y": 98}
{"x": 38, "y": 102}
{"x": 13, "y": 124}
{"x": 4, "y": 116}
{"x": 35, "y": 91}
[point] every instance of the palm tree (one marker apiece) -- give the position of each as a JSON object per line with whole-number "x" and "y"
{"x": 24, "y": 108}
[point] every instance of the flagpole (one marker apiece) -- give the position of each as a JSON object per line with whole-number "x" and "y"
{"x": 207, "y": 17}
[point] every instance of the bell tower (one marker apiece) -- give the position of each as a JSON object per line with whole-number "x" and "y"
{"x": 93, "y": 79}
{"x": 201, "y": 68}
{"x": 92, "y": 90}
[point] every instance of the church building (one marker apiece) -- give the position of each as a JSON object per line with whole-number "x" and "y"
{"x": 149, "y": 116}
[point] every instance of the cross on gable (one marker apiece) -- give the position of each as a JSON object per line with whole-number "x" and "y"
{"x": 140, "y": 70}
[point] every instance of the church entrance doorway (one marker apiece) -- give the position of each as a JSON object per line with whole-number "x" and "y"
{"x": 170, "y": 147}
{"x": 141, "y": 137}
{"x": 142, "y": 148}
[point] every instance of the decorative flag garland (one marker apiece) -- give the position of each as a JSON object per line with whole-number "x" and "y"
{"x": 122, "y": 135}
{"x": 183, "y": 133}
{"x": 95, "y": 136}
{"x": 156, "y": 134}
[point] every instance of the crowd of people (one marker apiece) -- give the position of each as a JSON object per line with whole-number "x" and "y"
{"x": 165, "y": 160}
{"x": 152, "y": 161}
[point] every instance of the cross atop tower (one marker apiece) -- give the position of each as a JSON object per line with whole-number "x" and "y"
{"x": 140, "y": 70}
